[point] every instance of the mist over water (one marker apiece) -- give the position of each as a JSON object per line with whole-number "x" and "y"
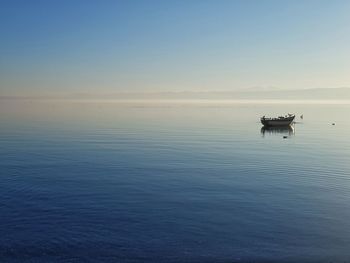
{"x": 173, "y": 182}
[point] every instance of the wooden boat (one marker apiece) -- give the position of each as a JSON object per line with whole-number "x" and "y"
{"x": 279, "y": 121}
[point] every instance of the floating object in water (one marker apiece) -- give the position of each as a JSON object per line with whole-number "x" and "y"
{"x": 279, "y": 121}
{"x": 333, "y": 123}
{"x": 301, "y": 116}
{"x": 285, "y": 137}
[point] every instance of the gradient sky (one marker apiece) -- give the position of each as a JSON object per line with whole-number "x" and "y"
{"x": 82, "y": 46}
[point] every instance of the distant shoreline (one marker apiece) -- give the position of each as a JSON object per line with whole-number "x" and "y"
{"x": 180, "y": 101}
{"x": 324, "y": 95}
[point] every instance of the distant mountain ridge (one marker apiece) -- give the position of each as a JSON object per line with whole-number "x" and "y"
{"x": 248, "y": 94}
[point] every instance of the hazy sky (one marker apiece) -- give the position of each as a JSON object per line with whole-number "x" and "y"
{"x": 102, "y": 46}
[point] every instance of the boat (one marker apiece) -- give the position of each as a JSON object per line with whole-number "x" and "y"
{"x": 279, "y": 121}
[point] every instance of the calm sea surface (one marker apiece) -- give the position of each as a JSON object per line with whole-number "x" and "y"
{"x": 173, "y": 182}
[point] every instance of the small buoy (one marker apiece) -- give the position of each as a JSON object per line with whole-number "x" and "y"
{"x": 285, "y": 137}
{"x": 301, "y": 116}
{"x": 333, "y": 123}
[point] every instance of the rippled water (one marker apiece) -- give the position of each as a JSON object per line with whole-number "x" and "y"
{"x": 181, "y": 182}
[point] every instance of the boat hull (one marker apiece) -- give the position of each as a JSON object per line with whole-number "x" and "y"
{"x": 277, "y": 122}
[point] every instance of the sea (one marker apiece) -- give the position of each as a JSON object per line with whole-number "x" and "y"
{"x": 173, "y": 181}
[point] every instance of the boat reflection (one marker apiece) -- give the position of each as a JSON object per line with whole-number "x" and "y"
{"x": 284, "y": 130}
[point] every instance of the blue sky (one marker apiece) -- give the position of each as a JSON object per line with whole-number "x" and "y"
{"x": 82, "y": 46}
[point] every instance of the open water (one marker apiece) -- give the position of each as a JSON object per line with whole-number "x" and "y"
{"x": 173, "y": 182}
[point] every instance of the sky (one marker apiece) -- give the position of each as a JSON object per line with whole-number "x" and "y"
{"x": 100, "y": 47}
